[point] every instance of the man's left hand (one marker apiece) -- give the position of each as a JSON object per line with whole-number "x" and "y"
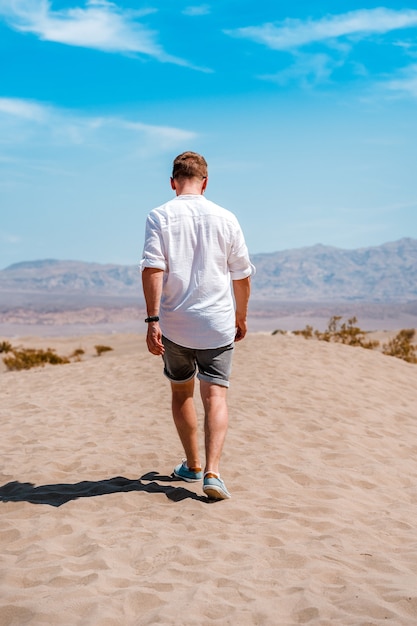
{"x": 154, "y": 339}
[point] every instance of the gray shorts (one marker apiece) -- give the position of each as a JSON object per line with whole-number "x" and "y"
{"x": 214, "y": 365}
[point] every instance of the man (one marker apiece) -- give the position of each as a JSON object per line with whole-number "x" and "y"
{"x": 194, "y": 250}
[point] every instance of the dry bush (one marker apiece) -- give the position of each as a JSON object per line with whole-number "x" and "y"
{"x": 401, "y": 347}
{"x": 101, "y": 349}
{"x": 77, "y": 354}
{"x": 26, "y": 358}
{"x": 307, "y": 332}
{"x": 347, "y": 333}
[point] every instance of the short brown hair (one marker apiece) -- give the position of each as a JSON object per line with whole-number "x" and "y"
{"x": 189, "y": 165}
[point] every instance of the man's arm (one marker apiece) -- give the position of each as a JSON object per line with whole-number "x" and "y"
{"x": 241, "y": 291}
{"x": 152, "y": 289}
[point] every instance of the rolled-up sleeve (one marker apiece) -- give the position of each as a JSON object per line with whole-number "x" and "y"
{"x": 153, "y": 249}
{"x": 239, "y": 262}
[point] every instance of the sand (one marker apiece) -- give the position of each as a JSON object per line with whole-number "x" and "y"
{"x": 320, "y": 458}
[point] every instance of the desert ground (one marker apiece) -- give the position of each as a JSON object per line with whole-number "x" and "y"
{"x": 320, "y": 459}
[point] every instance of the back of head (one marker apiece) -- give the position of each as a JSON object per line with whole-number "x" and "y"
{"x": 189, "y": 165}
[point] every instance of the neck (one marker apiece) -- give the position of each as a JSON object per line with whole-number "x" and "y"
{"x": 190, "y": 186}
{"x": 182, "y": 190}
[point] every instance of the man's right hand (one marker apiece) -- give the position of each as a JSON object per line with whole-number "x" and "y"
{"x": 241, "y": 329}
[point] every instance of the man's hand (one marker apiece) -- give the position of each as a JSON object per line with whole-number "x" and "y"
{"x": 152, "y": 288}
{"x": 154, "y": 339}
{"x": 241, "y": 290}
{"x": 241, "y": 329}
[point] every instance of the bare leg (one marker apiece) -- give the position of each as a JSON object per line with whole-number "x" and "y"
{"x": 185, "y": 419}
{"x": 215, "y": 422}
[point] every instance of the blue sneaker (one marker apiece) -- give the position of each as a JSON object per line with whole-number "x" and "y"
{"x": 189, "y": 475}
{"x": 214, "y": 487}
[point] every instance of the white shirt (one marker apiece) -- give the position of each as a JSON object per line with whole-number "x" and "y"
{"x": 201, "y": 248}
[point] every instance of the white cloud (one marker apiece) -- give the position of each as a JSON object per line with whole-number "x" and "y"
{"x": 405, "y": 83}
{"x": 24, "y": 109}
{"x": 308, "y": 70}
{"x": 165, "y": 133}
{"x": 99, "y": 25}
{"x": 336, "y": 34}
{"x": 9, "y": 238}
{"x": 293, "y": 33}
{"x": 194, "y": 11}
{"x": 65, "y": 127}
{"x": 408, "y": 47}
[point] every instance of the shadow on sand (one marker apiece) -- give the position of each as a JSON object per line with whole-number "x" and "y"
{"x": 59, "y": 494}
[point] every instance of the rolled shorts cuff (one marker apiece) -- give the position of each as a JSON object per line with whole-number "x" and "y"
{"x": 178, "y": 382}
{"x": 214, "y": 381}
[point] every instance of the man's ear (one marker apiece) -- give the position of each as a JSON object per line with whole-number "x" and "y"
{"x": 205, "y": 181}
{"x": 173, "y": 183}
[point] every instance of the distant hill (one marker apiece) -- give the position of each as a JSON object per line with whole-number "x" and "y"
{"x": 70, "y": 277}
{"x": 385, "y": 274}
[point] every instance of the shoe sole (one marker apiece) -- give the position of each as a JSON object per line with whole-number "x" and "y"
{"x": 216, "y": 493}
{"x": 187, "y": 480}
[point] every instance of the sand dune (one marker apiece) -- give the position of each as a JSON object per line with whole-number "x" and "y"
{"x": 321, "y": 461}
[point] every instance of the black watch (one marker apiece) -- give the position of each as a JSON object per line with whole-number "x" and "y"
{"x": 152, "y": 318}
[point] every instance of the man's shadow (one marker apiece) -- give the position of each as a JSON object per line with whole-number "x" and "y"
{"x": 59, "y": 494}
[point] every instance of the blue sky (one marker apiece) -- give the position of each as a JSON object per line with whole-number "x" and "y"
{"x": 306, "y": 113}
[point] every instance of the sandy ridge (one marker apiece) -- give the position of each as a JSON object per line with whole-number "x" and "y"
{"x": 320, "y": 459}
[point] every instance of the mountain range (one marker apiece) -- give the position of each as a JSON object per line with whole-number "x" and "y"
{"x": 380, "y": 274}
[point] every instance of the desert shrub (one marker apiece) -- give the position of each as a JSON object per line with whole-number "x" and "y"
{"x": 5, "y": 347}
{"x": 26, "y": 358}
{"x": 331, "y": 331}
{"x": 307, "y": 332}
{"x": 77, "y": 354}
{"x": 347, "y": 333}
{"x": 401, "y": 347}
{"x": 101, "y": 349}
